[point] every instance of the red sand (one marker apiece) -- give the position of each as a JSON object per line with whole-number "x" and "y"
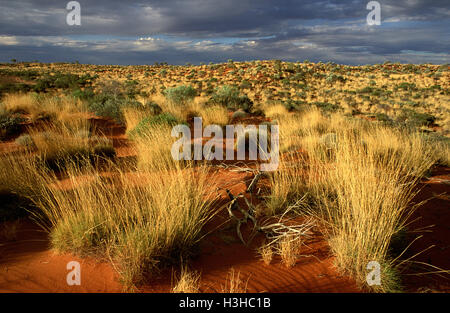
{"x": 29, "y": 265}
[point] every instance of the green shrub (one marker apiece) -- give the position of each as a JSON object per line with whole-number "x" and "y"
{"x": 230, "y": 97}
{"x": 334, "y": 78}
{"x": 85, "y": 94}
{"x": 417, "y": 119}
{"x": 293, "y": 105}
{"x": 382, "y": 117}
{"x": 111, "y": 100}
{"x": 131, "y": 88}
{"x": 180, "y": 95}
{"x": 108, "y": 107}
{"x": 147, "y": 123}
{"x": 407, "y": 86}
{"x": 327, "y": 107}
{"x": 9, "y": 124}
{"x": 63, "y": 81}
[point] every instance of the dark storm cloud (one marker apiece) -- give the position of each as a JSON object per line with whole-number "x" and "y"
{"x": 196, "y": 17}
{"x": 285, "y": 29}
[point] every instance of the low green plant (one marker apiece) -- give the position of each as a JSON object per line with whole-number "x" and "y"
{"x": 10, "y": 124}
{"x": 229, "y": 97}
{"x": 149, "y": 122}
{"x": 180, "y": 95}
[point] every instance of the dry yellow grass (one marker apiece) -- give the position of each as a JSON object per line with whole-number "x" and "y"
{"x": 288, "y": 248}
{"x": 60, "y": 109}
{"x": 266, "y": 253}
{"x": 154, "y": 148}
{"x": 288, "y": 184}
{"x": 361, "y": 178}
{"x": 132, "y": 118}
{"x": 19, "y": 103}
{"x": 234, "y": 283}
{"x": 136, "y": 222}
{"x": 188, "y": 282}
{"x": 275, "y": 111}
{"x": 214, "y": 115}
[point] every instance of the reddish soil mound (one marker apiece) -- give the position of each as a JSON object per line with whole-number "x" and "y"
{"x": 433, "y": 218}
{"x": 28, "y": 265}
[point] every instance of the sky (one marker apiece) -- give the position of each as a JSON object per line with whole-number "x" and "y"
{"x": 194, "y": 31}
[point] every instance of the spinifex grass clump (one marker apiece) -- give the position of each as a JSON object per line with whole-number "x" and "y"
{"x": 187, "y": 282}
{"x": 139, "y": 223}
{"x": 288, "y": 184}
{"x": 149, "y": 123}
{"x": 366, "y": 195}
{"x": 44, "y": 108}
{"x": 365, "y": 204}
{"x": 57, "y": 145}
{"x": 214, "y": 115}
{"x": 360, "y": 184}
{"x": 154, "y": 143}
{"x": 21, "y": 180}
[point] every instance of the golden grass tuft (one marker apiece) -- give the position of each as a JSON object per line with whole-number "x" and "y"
{"x": 288, "y": 248}
{"x": 359, "y": 180}
{"x": 234, "y": 283}
{"x": 136, "y": 223}
{"x": 266, "y": 253}
{"x": 214, "y": 115}
{"x": 187, "y": 282}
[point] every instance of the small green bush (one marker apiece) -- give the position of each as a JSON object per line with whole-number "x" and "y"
{"x": 85, "y": 94}
{"x": 327, "y": 107}
{"x": 9, "y": 124}
{"x": 382, "y": 117}
{"x": 108, "y": 107}
{"x": 417, "y": 119}
{"x": 147, "y": 123}
{"x": 293, "y": 105}
{"x": 180, "y": 95}
{"x": 230, "y": 97}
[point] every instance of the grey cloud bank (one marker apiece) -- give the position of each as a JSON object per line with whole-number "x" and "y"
{"x": 144, "y": 32}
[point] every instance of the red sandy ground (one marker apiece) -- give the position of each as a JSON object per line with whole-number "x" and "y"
{"x": 29, "y": 265}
